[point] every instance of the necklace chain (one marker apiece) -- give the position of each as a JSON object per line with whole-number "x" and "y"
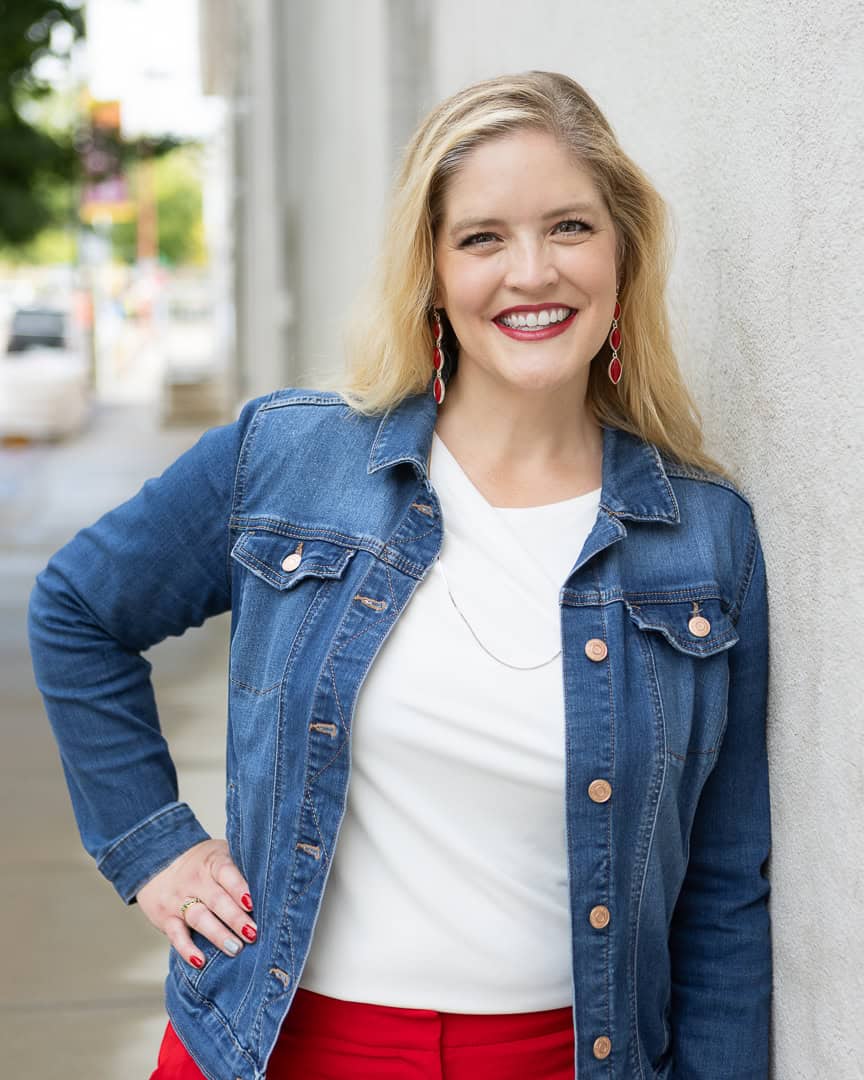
{"x": 463, "y": 617}
{"x": 506, "y": 663}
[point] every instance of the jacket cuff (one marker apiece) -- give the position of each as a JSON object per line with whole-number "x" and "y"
{"x": 149, "y": 847}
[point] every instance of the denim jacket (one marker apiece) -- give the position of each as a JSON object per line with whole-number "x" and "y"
{"x": 664, "y": 639}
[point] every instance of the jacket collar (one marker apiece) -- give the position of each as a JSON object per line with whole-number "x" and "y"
{"x": 635, "y": 483}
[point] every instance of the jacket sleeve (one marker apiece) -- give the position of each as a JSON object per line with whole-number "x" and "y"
{"x": 720, "y": 938}
{"x": 148, "y": 569}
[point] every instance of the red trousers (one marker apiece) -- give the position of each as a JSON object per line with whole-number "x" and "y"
{"x": 324, "y": 1038}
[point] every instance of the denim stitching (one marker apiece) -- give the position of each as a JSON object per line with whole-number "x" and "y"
{"x": 383, "y": 552}
{"x": 582, "y": 598}
{"x": 692, "y": 472}
{"x": 647, "y": 843}
{"x": 393, "y": 596}
{"x": 692, "y": 753}
{"x": 278, "y": 527}
{"x": 241, "y": 474}
{"x": 336, "y": 694}
{"x": 379, "y": 436}
{"x": 417, "y": 536}
{"x": 341, "y": 746}
{"x": 307, "y": 799}
{"x": 299, "y": 638}
{"x": 750, "y": 566}
{"x": 291, "y": 951}
{"x": 280, "y": 399}
{"x": 141, "y": 825}
{"x": 247, "y": 558}
{"x": 252, "y": 689}
{"x": 325, "y": 854}
{"x": 364, "y": 630}
{"x": 223, "y": 1020}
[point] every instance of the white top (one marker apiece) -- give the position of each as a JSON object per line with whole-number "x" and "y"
{"x": 448, "y": 888}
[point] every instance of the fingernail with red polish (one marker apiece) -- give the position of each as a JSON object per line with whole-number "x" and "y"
{"x": 249, "y": 932}
{"x": 246, "y": 901}
{"x": 196, "y": 961}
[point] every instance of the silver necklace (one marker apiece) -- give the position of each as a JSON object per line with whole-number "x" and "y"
{"x": 462, "y": 616}
{"x": 506, "y": 663}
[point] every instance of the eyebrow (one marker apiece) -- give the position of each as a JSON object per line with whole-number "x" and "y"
{"x": 488, "y": 223}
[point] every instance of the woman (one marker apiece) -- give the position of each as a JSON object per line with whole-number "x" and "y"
{"x": 551, "y": 850}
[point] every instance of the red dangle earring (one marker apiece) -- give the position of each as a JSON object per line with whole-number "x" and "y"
{"x": 615, "y": 367}
{"x": 438, "y": 357}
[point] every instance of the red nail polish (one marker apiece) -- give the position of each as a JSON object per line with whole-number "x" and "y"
{"x": 246, "y": 901}
{"x": 196, "y": 961}
{"x": 249, "y": 932}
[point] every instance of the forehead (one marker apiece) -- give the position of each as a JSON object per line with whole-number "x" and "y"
{"x": 517, "y": 175}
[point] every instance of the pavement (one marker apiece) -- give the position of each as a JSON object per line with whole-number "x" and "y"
{"x": 82, "y": 973}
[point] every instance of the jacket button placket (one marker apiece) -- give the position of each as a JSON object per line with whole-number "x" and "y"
{"x": 599, "y": 791}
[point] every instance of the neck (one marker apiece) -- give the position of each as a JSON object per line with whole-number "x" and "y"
{"x": 522, "y": 447}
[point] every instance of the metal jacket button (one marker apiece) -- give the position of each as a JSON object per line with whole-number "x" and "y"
{"x": 699, "y": 626}
{"x": 599, "y": 791}
{"x": 595, "y": 649}
{"x": 292, "y": 561}
{"x": 602, "y": 1047}
{"x": 599, "y": 917}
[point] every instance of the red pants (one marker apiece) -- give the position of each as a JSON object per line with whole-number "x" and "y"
{"x": 324, "y": 1038}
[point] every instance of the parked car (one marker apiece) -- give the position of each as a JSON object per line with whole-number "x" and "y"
{"x": 38, "y": 327}
{"x": 44, "y": 384}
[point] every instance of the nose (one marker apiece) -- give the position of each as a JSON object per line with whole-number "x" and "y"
{"x": 532, "y": 268}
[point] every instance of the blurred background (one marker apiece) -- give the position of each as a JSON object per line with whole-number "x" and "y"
{"x": 190, "y": 197}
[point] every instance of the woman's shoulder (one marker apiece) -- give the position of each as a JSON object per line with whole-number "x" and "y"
{"x": 300, "y": 395}
{"x": 686, "y": 485}
{"x": 291, "y": 411}
{"x": 694, "y": 479}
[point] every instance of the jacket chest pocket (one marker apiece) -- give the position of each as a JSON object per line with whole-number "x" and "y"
{"x": 279, "y": 584}
{"x": 684, "y": 649}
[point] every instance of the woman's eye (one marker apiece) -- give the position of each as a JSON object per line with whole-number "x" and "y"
{"x": 478, "y": 238}
{"x": 573, "y": 226}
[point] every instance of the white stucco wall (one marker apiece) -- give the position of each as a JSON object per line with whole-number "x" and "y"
{"x": 748, "y": 117}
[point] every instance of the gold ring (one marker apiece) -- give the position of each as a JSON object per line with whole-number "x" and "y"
{"x": 187, "y": 904}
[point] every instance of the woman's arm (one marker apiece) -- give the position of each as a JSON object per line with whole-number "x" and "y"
{"x": 720, "y": 939}
{"x": 148, "y": 569}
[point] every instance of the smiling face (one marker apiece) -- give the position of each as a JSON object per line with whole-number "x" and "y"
{"x": 525, "y": 264}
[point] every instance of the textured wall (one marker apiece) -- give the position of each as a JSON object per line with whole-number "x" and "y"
{"x": 335, "y": 166}
{"x": 748, "y": 118}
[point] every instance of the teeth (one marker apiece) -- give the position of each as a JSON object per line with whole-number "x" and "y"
{"x": 535, "y": 320}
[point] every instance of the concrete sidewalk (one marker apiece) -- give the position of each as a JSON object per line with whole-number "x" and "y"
{"x": 81, "y": 990}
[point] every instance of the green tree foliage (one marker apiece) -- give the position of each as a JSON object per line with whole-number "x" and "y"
{"x": 31, "y": 160}
{"x": 178, "y": 211}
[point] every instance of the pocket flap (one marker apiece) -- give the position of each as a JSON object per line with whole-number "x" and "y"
{"x": 283, "y": 561}
{"x": 696, "y": 629}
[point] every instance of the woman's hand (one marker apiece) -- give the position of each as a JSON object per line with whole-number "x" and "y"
{"x": 206, "y": 875}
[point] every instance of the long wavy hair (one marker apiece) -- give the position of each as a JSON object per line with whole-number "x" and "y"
{"x": 389, "y": 338}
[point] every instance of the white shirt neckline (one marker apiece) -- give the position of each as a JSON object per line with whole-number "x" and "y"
{"x": 573, "y": 502}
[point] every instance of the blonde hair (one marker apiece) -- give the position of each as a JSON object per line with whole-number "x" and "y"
{"x": 390, "y": 338}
